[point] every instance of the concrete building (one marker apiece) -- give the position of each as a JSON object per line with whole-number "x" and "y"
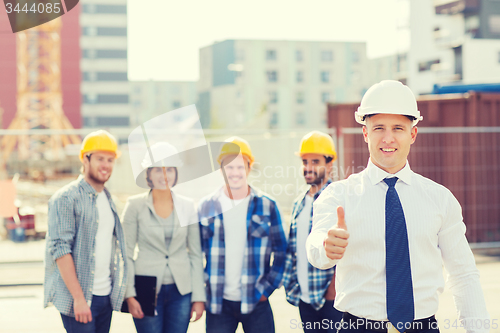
{"x": 453, "y": 41}
{"x": 104, "y": 88}
{"x": 278, "y": 84}
{"x": 149, "y": 99}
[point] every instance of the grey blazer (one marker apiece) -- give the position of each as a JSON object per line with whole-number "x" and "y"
{"x": 141, "y": 227}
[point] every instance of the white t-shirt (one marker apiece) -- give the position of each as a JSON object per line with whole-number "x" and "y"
{"x": 103, "y": 246}
{"x": 303, "y": 221}
{"x": 234, "y": 213}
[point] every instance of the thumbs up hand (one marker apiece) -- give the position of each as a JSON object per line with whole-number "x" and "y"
{"x": 336, "y": 242}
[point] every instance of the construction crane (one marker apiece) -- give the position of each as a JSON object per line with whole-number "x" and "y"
{"x": 39, "y": 97}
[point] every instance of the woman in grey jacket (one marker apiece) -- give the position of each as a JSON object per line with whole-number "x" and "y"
{"x": 163, "y": 225}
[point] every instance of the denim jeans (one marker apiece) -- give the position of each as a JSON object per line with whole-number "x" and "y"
{"x": 323, "y": 320}
{"x": 101, "y": 318}
{"x": 173, "y": 310}
{"x": 260, "y": 320}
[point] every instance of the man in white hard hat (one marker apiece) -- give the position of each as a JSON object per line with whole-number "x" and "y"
{"x": 85, "y": 251}
{"x": 241, "y": 229}
{"x": 309, "y": 288}
{"x": 389, "y": 231}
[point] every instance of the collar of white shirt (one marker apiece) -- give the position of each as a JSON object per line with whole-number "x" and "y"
{"x": 376, "y": 175}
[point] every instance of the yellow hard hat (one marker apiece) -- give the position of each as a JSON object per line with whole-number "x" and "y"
{"x": 99, "y": 141}
{"x": 317, "y": 142}
{"x": 230, "y": 149}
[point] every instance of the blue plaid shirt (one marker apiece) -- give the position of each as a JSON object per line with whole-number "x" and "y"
{"x": 319, "y": 280}
{"x": 73, "y": 221}
{"x": 265, "y": 236}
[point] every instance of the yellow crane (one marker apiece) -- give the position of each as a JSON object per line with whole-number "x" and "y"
{"x": 39, "y": 97}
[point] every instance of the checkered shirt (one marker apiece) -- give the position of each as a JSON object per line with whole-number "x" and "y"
{"x": 73, "y": 222}
{"x": 319, "y": 280}
{"x": 265, "y": 237}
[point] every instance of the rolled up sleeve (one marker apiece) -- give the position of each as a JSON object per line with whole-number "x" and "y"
{"x": 61, "y": 226}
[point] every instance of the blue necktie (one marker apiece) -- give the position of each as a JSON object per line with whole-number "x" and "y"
{"x": 399, "y": 294}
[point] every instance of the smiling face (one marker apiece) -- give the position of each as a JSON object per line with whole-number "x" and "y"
{"x": 315, "y": 168}
{"x": 236, "y": 170}
{"x": 98, "y": 166}
{"x": 156, "y": 177}
{"x": 389, "y": 138}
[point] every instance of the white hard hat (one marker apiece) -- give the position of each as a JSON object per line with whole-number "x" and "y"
{"x": 389, "y": 97}
{"x": 164, "y": 155}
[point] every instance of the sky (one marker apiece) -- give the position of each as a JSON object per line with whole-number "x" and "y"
{"x": 164, "y": 36}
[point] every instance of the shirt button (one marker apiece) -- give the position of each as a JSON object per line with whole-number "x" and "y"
{"x": 92, "y": 272}
{"x": 93, "y": 254}
{"x": 97, "y": 221}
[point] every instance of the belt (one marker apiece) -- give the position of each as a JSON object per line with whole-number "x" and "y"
{"x": 417, "y": 326}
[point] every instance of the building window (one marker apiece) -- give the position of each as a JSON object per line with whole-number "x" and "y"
{"x": 88, "y": 76}
{"x": 300, "y": 76}
{"x": 355, "y": 57}
{"x": 271, "y": 55}
{"x": 274, "y": 119}
{"x": 89, "y": 31}
{"x": 176, "y": 104}
{"x": 104, "y": 54}
{"x": 112, "y": 99}
{"x": 300, "y": 118}
{"x": 427, "y": 65}
{"x": 89, "y": 99}
{"x": 111, "y": 31}
{"x": 325, "y": 97}
{"x": 272, "y": 76}
{"x": 112, "y": 76}
{"x": 111, "y": 54}
{"x": 110, "y": 9}
{"x": 327, "y": 56}
{"x": 113, "y": 121}
{"x": 273, "y": 97}
{"x": 300, "y": 97}
{"x": 325, "y": 76}
{"x": 299, "y": 55}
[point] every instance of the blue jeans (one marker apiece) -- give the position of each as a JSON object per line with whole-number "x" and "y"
{"x": 323, "y": 320}
{"x": 173, "y": 310}
{"x": 260, "y": 320}
{"x": 101, "y": 318}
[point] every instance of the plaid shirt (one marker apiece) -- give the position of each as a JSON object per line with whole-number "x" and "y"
{"x": 265, "y": 235}
{"x": 319, "y": 280}
{"x": 73, "y": 221}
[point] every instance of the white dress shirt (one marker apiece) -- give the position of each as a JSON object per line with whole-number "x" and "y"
{"x": 436, "y": 235}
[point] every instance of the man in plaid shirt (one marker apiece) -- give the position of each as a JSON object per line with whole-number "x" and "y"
{"x": 85, "y": 270}
{"x": 309, "y": 288}
{"x": 241, "y": 228}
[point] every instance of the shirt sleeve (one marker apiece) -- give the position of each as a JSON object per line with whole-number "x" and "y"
{"x": 61, "y": 226}
{"x": 130, "y": 229}
{"x": 195, "y": 258}
{"x": 324, "y": 217}
{"x": 279, "y": 242}
{"x": 463, "y": 275}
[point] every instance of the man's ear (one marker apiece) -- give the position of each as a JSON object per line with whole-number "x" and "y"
{"x": 414, "y": 132}
{"x": 365, "y": 133}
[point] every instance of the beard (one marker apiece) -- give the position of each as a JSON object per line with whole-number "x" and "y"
{"x": 318, "y": 177}
{"x": 94, "y": 176}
